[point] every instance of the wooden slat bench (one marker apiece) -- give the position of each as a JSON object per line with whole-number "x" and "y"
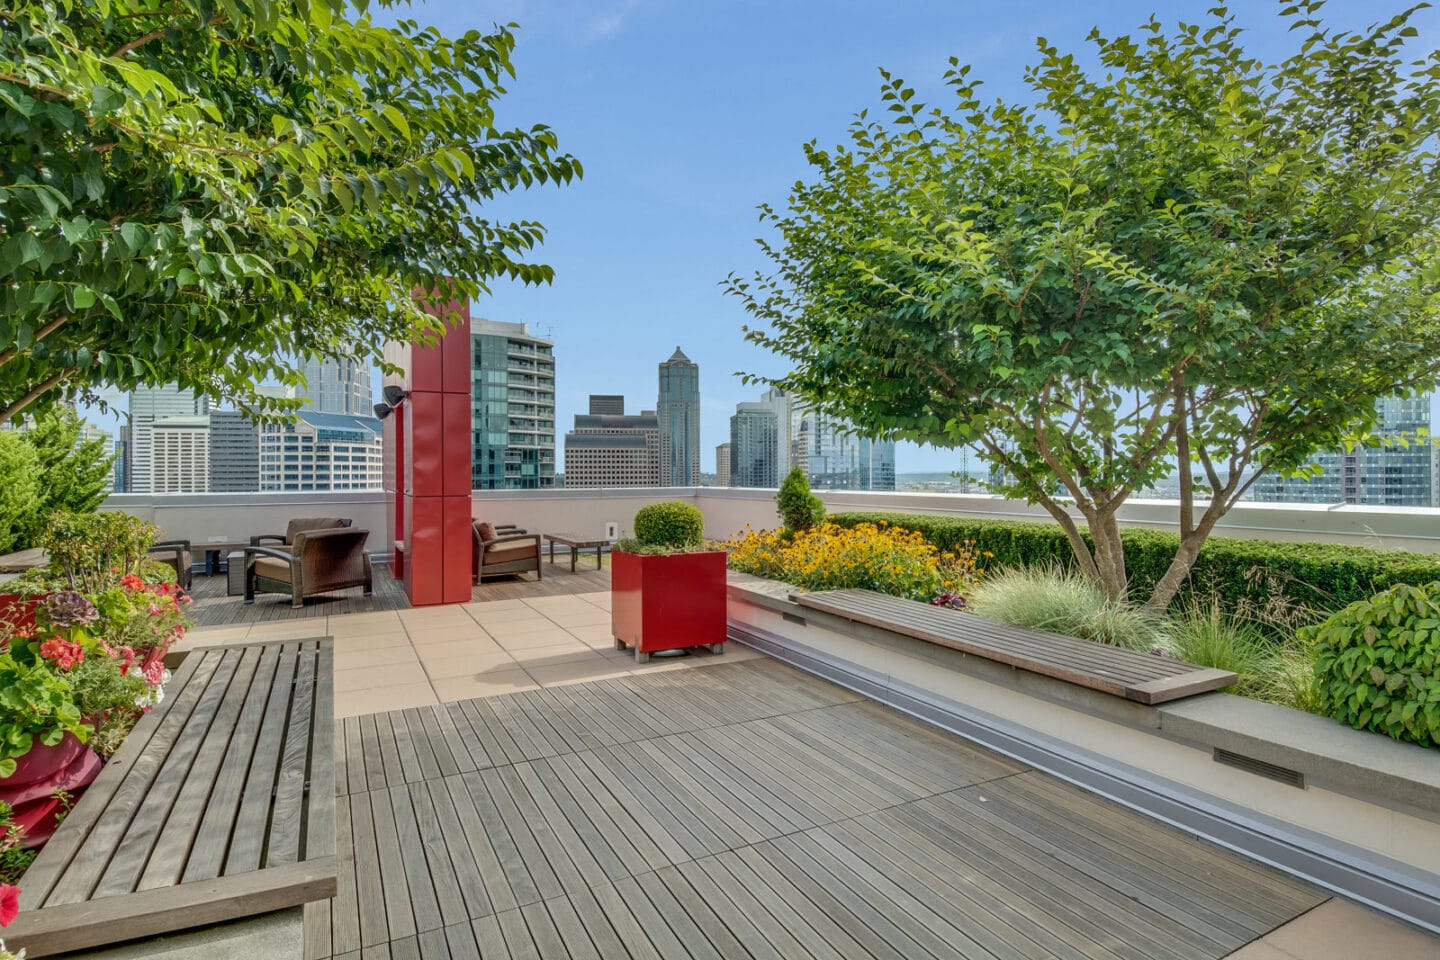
{"x": 1132, "y": 674}
{"x": 219, "y": 805}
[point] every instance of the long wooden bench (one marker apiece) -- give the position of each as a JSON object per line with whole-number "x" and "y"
{"x": 1132, "y": 674}
{"x": 219, "y": 805}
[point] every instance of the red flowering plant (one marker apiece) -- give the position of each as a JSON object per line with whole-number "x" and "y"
{"x": 93, "y": 662}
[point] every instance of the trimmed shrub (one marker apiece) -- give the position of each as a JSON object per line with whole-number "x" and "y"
{"x": 1243, "y": 573}
{"x": 1052, "y": 598}
{"x": 673, "y": 523}
{"x": 1376, "y": 662}
{"x": 799, "y": 508}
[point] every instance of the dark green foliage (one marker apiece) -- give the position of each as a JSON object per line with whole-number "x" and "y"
{"x": 1318, "y": 575}
{"x": 19, "y": 489}
{"x": 73, "y": 474}
{"x": 669, "y": 524}
{"x": 1377, "y": 660}
{"x": 799, "y": 508}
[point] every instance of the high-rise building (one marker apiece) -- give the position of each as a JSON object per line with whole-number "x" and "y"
{"x": 234, "y": 452}
{"x": 679, "y": 412}
{"x": 612, "y": 404}
{"x": 147, "y": 405}
{"x": 722, "y": 465}
{"x": 839, "y": 460}
{"x": 179, "y": 455}
{"x": 790, "y": 420}
{"x": 513, "y": 409}
{"x": 753, "y": 446}
{"x": 336, "y": 386}
{"x": 321, "y": 452}
{"x": 608, "y": 450}
{"x": 1395, "y": 475}
{"x": 122, "y": 459}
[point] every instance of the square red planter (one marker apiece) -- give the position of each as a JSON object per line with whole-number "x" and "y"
{"x": 665, "y": 602}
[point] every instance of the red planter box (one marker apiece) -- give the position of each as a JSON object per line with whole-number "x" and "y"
{"x": 18, "y": 611}
{"x": 664, "y": 602}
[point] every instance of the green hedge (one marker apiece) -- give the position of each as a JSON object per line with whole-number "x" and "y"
{"x": 1318, "y": 575}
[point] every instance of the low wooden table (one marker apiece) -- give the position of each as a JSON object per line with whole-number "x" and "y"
{"x": 215, "y": 550}
{"x": 576, "y": 543}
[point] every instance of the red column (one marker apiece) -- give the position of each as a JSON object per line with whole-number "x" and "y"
{"x": 433, "y": 444}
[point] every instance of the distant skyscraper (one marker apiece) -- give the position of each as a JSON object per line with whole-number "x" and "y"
{"x": 337, "y": 386}
{"x": 513, "y": 404}
{"x": 234, "y": 452}
{"x": 180, "y": 455}
{"x": 147, "y": 405}
{"x": 838, "y": 460}
{"x": 722, "y": 465}
{"x": 1381, "y": 475}
{"x": 321, "y": 452}
{"x": 613, "y": 451}
{"x": 679, "y": 412}
{"x": 753, "y": 446}
{"x": 609, "y": 404}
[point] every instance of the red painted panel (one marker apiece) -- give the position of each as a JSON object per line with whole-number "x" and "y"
{"x": 426, "y": 364}
{"x": 424, "y": 583}
{"x": 455, "y": 362}
{"x": 457, "y": 444}
{"x": 458, "y": 573}
{"x": 658, "y": 603}
{"x": 424, "y": 424}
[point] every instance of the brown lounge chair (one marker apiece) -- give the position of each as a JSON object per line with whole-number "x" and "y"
{"x": 503, "y": 549}
{"x": 282, "y": 541}
{"x": 176, "y": 553}
{"x": 316, "y": 561}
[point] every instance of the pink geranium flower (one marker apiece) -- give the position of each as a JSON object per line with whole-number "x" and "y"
{"x": 9, "y": 904}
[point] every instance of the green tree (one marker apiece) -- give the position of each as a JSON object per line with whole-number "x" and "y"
{"x": 1191, "y": 257}
{"x": 73, "y": 474}
{"x": 799, "y": 508}
{"x": 19, "y": 489}
{"x": 194, "y": 191}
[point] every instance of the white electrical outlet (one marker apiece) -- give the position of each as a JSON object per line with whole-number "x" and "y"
{"x": 612, "y": 530}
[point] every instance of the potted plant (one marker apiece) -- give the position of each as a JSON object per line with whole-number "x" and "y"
{"x": 667, "y": 586}
{"x": 77, "y": 677}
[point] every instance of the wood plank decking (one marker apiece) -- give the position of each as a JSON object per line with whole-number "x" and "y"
{"x": 1131, "y": 674}
{"x": 748, "y": 810}
{"x": 220, "y": 804}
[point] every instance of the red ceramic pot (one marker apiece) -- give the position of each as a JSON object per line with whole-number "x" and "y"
{"x": 18, "y": 611}
{"x": 69, "y": 765}
{"x": 665, "y": 602}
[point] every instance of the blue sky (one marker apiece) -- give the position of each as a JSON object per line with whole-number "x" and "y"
{"x": 687, "y": 115}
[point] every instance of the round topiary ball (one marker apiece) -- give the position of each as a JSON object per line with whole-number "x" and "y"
{"x": 669, "y": 524}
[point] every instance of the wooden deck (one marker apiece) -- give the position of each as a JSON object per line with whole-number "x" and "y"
{"x": 748, "y": 810}
{"x": 1131, "y": 674}
{"x": 212, "y": 608}
{"x": 219, "y": 805}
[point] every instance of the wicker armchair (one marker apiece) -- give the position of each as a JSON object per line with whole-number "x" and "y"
{"x": 282, "y": 541}
{"x": 503, "y": 549}
{"x": 178, "y": 554}
{"x": 316, "y": 561}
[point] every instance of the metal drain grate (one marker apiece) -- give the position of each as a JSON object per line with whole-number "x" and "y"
{"x": 1261, "y": 768}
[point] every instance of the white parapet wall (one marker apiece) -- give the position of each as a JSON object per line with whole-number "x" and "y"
{"x": 728, "y": 510}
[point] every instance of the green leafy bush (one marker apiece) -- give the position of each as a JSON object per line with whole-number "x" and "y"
{"x": 799, "y": 508}
{"x": 1243, "y": 573}
{"x": 1062, "y": 601}
{"x": 1376, "y": 661}
{"x": 20, "y": 501}
{"x": 669, "y": 524}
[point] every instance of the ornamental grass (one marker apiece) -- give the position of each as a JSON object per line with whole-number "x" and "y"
{"x": 886, "y": 559}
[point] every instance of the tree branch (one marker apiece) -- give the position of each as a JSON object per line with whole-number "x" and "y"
{"x": 45, "y": 331}
{"x": 10, "y": 412}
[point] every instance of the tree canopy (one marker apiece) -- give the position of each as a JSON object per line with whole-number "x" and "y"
{"x": 1186, "y": 255}
{"x": 200, "y": 191}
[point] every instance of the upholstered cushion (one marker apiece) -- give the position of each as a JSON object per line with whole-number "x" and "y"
{"x": 506, "y": 552}
{"x": 272, "y": 568}
{"x": 486, "y": 531}
{"x": 301, "y": 524}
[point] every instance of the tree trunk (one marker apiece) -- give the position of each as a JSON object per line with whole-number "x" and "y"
{"x": 1179, "y": 570}
{"x": 1109, "y": 554}
{"x": 1078, "y": 547}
